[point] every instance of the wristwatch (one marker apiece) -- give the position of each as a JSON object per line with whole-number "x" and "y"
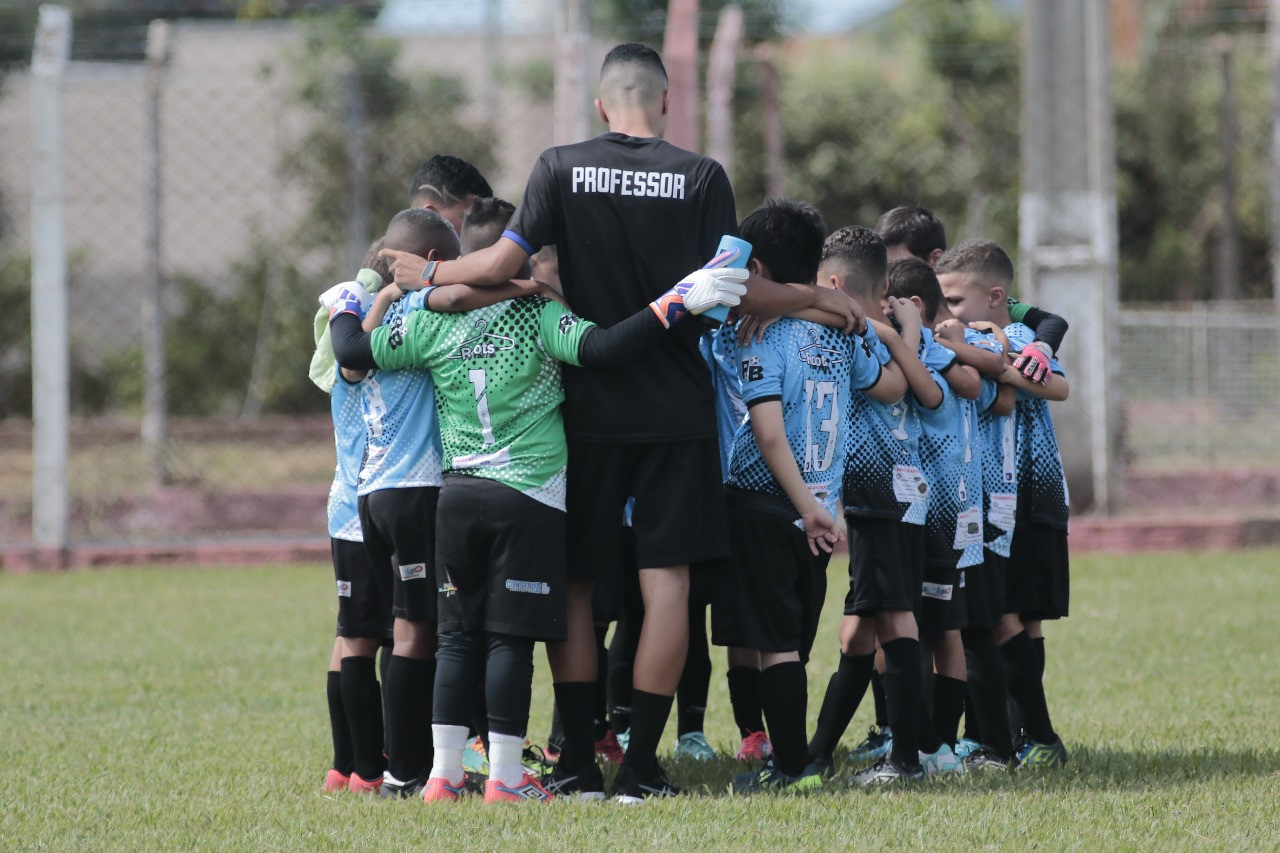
{"x": 429, "y": 271}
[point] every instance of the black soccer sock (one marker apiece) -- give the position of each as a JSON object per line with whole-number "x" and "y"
{"x": 555, "y": 738}
{"x": 902, "y": 689}
{"x": 1022, "y": 668}
{"x": 845, "y": 690}
{"x": 1038, "y": 642}
{"x": 573, "y": 698}
{"x": 362, "y": 699}
{"x": 695, "y": 680}
{"x": 408, "y": 691}
{"x": 649, "y": 713}
{"x": 744, "y": 696}
{"x": 971, "y": 730}
{"x": 622, "y": 656}
{"x": 988, "y": 692}
{"x": 600, "y": 708}
{"x": 509, "y": 683}
{"x": 877, "y": 693}
{"x": 948, "y": 707}
{"x": 344, "y": 756}
{"x": 784, "y": 693}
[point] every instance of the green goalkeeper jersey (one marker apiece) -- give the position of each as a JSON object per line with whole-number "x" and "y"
{"x": 498, "y": 390}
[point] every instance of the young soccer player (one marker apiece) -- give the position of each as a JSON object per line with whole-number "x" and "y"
{"x": 884, "y": 493}
{"x": 448, "y": 185}
{"x": 975, "y": 277}
{"x": 502, "y": 570}
{"x": 783, "y": 487}
{"x": 364, "y": 624}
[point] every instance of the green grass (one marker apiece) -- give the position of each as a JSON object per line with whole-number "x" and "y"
{"x": 178, "y": 709}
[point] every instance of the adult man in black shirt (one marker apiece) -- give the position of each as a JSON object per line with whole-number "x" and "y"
{"x": 630, "y": 213}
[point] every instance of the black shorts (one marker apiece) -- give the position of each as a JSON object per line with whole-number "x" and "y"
{"x": 886, "y": 565}
{"x": 1038, "y": 577}
{"x": 616, "y": 592}
{"x": 501, "y": 567}
{"x": 361, "y": 611}
{"x": 942, "y": 599}
{"x": 704, "y": 576}
{"x": 679, "y": 515}
{"x": 984, "y": 590}
{"x": 399, "y": 528}
{"x": 770, "y": 595}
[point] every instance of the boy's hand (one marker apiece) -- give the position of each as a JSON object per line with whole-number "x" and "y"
{"x": 1033, "y": 362}
{"x": 406, "y": 267}
{"x": 842, "y": 305}
{"x": 950, "y": 330}
{"x": 750, "y": 326}
{"x": 551, "y": 293}
{"x": 992, "y": 329}
{"x": 348, "y": 296}
{"x": 820, "y": 529}
{"x": 906, "y": 313}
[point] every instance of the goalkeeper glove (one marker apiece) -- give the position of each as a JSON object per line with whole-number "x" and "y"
{"x": 1033, "y": 362}
{"x": 348, "y": 296}
{"x": 698, "y": 291}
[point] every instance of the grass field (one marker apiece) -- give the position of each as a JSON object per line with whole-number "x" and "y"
{"x": 167, "y": 709}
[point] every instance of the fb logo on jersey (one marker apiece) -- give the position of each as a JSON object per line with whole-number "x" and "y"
{"x": 751, "y": 369}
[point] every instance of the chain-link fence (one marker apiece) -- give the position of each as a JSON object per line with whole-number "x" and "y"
{"x": 224, "y": 165}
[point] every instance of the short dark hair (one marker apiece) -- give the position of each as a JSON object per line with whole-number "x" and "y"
{"x": 422, "y": 230}
{"x": 859, "y": 251}
{"x": 786, "y": 236}
{"x": 917, "y": 228}
{"x": 449, "y": 180}
{"x": 484, "y": 223}
{"x": 910, "y": 277}
{"x": 633, "y": 53}
{"x": 984, "y": 258}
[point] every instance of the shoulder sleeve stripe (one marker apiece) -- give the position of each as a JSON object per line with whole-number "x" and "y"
{"x": 519, "y": 241}
{"x": 767, "y": 398}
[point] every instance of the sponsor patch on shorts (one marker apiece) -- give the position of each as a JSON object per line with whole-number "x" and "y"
{"x": 344, "y": 589}
{"x": 413, "y": 572}
{"x": 940, "y": 591}
{"x": 534, "y": 587}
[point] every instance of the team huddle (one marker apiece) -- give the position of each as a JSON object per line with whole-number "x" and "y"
{"x": 540, "y": 432}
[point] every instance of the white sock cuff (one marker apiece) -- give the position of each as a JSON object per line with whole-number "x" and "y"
{"x": 448, "y": 737}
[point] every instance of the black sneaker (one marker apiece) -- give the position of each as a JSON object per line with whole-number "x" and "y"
{"x": 628, "y": 788}
{"x": 886, "y": 772}
{"x": 982, "y": 759}
{"x": 585, "y": 784}
{"x": 825, "y": 765}
{"x": 770, "y": 778}
{"x": 393, "y": 788}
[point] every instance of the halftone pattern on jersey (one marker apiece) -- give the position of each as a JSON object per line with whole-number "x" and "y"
{"x": 403, "y": 445}
{"x": 1042, "y": 486}
{"x": 349, "y": 440}
{"x": 498, "y": 391}
{"x": 997, "y": 443}
{"x": 720, "y": 350}
{"x": 811, "y": 370}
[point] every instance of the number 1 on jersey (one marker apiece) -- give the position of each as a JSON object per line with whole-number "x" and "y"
{"x": 478, "y": 382}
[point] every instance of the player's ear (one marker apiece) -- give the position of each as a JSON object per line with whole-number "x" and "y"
{"x": 433, "y": 255}
{"x": 755, "y": 265}
{"x": 933, "y": 257}
{"x": 600, "y": 109}
{"x": 666, "y": 100}
{"x": 996, "y": 296}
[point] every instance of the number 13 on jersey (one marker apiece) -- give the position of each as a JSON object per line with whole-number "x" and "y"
{"x": 818, "y": 457}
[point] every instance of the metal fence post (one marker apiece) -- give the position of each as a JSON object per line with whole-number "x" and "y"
{"x": 155, "y": 397}
{"x": 50, "y": 372}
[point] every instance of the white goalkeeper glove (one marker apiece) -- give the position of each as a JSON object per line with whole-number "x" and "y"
{"x": 348, "y": 296}
{"x": 698, "y": 291}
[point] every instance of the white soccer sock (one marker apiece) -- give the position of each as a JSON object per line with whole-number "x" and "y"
{"x": 505, "y": 752}
{"x": 449, "y": 742}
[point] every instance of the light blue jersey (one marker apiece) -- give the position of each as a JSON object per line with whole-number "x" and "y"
{"x": 951, "y": 455}
{"x": 882, "y": 473}
{"x": 402, "y": 448}
{"x": 1042, "y": 487}
{"x": 811, "y": 369}
{"x": 348, "y": 434}
{"x": 997, "y": 439}
{"x": 720, "y": 350}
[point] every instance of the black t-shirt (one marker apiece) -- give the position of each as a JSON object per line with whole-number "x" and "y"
{"x": 630, "y": 217}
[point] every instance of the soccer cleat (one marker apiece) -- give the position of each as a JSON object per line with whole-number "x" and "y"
{"x": 535, "y": 761}
{"x": 335, "y": 781}
{"x": 393, "y": 788}
{"x": 694, "y": 745}
{"x": 982, "y": 759}
{"x": 770, "y": 778}
{"x": 364, "y": 786}
{"x": 552, "y": 753}
{"x": 440, "y": 790}
{"x": 755, "y": 747}
{"x": 474, "y": 758}
{"x": 885, "y": 772}
{"x": 586, "y": 784}
{"x": 528, "y": 788}
{"x": 629, "y": 789}
{"x": 876, "y": 745}
{"x": 610, "y": 749}
{"x": 825, "y": 766}
{"x": 965, "y": 746}
{"x": 624, "y": 739}
{"x": 1035, "y": 754}
{"x": 941, "y": 762}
